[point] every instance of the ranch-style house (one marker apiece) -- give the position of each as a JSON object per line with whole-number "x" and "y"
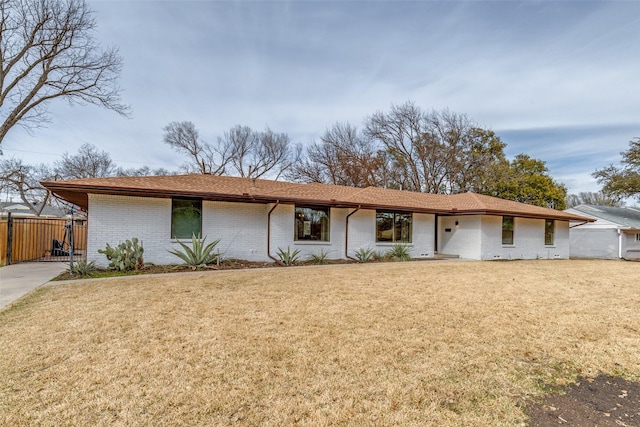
{"x": 253, "y": 218}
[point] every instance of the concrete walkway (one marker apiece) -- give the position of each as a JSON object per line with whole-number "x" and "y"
{"x": 18, "y": 280}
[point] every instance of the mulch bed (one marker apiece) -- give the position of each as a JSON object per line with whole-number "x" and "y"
{"x": 590, "y": 402}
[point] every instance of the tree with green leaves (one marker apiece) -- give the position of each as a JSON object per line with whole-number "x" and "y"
{"x": 622, "y": 181}
{"x": 527, "y": 180}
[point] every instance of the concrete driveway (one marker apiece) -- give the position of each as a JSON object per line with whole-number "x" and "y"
{"x": 18, "y": 280}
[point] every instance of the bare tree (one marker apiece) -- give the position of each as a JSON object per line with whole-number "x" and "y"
{"x": 204, "y": 158}
{"x": 400, "y": 131}
{"x": 89, "y": 162}
{"x": 47, "y": 51}
{"x": 241, "y": 151}
{"x": 142, "y": 171}
{"x": 437, "y": 152}
{"x": 256, "y": 154}
{"x": 343, "y": 157}
{"x": 593, "y": 198}
{"x": 24, "y": 181}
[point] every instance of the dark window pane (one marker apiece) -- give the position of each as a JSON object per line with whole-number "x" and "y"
{"x": 549, "y": 231}
{"x": 312, "y": 223}
{"x": 384, "y": 226}
{"x": 394, "y": 227}
{"x": 186, "y": 218}
{"x": 507, "y": 230}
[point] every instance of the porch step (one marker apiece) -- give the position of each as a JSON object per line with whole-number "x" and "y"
{"x": 445, "y": 256}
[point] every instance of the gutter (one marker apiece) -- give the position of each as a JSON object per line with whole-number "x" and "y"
{"x": 269, "y": 231}
{"x": 346, "y": 235}
{"x": 578, "y": 225}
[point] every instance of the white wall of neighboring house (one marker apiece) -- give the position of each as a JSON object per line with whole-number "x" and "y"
{"x": 630, "y": 245}
{"x": 602, "y": 239}
{"x": 601, "y": 243}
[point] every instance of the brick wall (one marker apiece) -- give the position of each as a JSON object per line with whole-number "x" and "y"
{"x": 241, "y": 228}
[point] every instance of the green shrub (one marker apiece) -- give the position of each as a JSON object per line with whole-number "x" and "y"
{"x": 288, "y": 257}
{"x": 83, "y": 268}
{"x": 364, "y": 254}
{"x": 399, "y": 252}
{"x": 320, "y": 258}
{"x": 126, "y": 256}
{"x": 198, "y": 255}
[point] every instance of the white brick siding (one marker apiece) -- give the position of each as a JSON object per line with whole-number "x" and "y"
{"x": 242, "y": 230}
{"x": 463, "y": 239}
{"x": 528, "y": 240}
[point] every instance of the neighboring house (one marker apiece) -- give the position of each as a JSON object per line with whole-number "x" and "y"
{"x": 253, "y": 218}
{"x": 613, "y": 233}
{"x": 20, "y": 210}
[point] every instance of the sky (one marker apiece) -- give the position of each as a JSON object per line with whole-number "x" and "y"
{"x": 557, "y": 80}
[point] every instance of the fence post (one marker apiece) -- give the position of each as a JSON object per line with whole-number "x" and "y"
{"x": 71, "y": 249}
{"x": 9, "y": 237}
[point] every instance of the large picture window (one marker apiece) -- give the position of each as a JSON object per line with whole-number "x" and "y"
{"x": 186, "y": 218}
{"x": 549, "y": 231}
{"x": 312, "y": 223}
{"x": 507, "y": 230}
{"x": 393, "y": 226}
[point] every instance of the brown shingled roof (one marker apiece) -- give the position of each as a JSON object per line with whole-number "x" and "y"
{"x": 223, "y": 188}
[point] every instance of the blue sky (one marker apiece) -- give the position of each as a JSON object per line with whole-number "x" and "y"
{"x": 559, "y": 81}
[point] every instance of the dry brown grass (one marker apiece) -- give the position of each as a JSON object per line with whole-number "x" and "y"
{"x": 425, "y": 343}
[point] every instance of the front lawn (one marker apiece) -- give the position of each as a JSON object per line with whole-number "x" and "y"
{"x": 421, "y": 343}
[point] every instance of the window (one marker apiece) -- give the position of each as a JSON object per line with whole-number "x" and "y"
{"x": 186, "y": 218}
{"x": 507, "y": 230}
{"x": 393, "y": 226}
{"x": 549, "y": 231}
{"x": 312, "y": 223}
{"x": 637, "y": 237}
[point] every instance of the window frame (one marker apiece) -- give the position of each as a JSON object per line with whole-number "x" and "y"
{"x": 298, "y": 214}
{"x": 198, "y": 206}
{"x": 396, "y": 216}
{"x": 552, "y": 233}
{"x": 505, "y": 222}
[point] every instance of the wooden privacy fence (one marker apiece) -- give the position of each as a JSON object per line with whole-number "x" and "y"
{"x": 41, "y": 239}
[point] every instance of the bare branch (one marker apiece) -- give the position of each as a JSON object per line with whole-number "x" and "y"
{"x": 47, "y": 51}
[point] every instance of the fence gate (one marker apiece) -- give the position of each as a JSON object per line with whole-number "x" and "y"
{"x": 42, "y": 239}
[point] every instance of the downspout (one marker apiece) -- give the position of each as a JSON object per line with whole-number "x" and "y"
{"x": 346, "y": 236}
{"x": 269, "y": 231}
{"x": 619, "y": 243}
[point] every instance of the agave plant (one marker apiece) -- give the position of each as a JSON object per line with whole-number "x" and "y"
{"x": 83, "y": 268}
{"x": 364, "y": 254}
{"x": 288, "y": 257}
{"x": 399, "y": 252}
{"x": 198, "y": 255}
